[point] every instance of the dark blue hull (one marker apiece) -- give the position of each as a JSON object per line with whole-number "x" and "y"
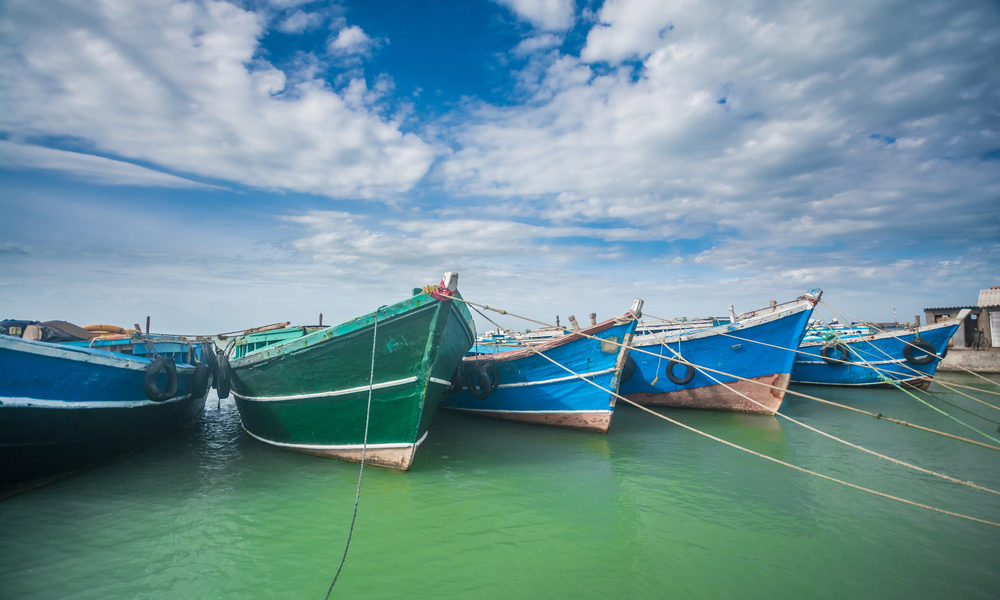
{"x": 881, "y": 360}
{"x": 743, "y": 355}
{"x": 64, "y": 407}
{"x": 534, "y": 389}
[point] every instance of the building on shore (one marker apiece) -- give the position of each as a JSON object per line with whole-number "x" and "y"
{"x": 977, "y": 340}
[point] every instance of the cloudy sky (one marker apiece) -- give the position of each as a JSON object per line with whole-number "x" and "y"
{"x": 221, "y": 165}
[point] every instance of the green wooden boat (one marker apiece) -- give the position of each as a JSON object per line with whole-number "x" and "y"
{"x": 307, "y": 388}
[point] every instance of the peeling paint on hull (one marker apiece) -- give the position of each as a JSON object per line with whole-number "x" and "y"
{"x": 762, "y": 399}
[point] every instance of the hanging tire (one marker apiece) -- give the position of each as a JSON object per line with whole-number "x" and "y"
{"x": 151, "y": 385}
{"x": 688, "y": 375}
{"x": 199, "y": 380}
{"x": 919, "y": 352}
{"x": 628, "y": 370}
{"x": 837, "y": 354}
{"x": 482, "y": 378}
{"x": 208, "y": 356}
{"x": 222, "y": 374}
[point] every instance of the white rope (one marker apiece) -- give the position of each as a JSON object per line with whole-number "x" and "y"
{"x": 781, "y": 462}
{"x": 364, "y": 448}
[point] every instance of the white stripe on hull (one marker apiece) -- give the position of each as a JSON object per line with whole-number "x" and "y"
{"x": 556, "y": 380}
{"x": 528, "y": 412}
{"x": 343, "y": 392}
{"x": 339, "y": 446}
{"x": 22, "y": 402}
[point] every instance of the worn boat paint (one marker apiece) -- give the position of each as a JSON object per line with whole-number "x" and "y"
{"x": 877, "y": 359}
{"x": 307, "y": 388}
{"x": 531, "y": 388}
{"x": 65, "y": 406}
{"x": 758, "y": 346}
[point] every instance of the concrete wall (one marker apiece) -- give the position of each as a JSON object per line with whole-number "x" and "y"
{"x": 982, "y": 361}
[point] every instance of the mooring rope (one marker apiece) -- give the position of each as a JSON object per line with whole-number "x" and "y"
{"x": 959, "y": 367}
{"x": 887, "y": 380}
{"x": 853, "y": 445}
{"x": 364, "y": 448}
{"x": 784, "y": 390}
{"x": 778, "y": 461}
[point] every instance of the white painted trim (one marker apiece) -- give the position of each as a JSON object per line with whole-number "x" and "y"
{"x": 76, "y": 354}
{"x": 556, "y": 380}
{"x": 337, "y": 446}
{"x": 856, "y": 364}
{"x": 23, "y": 402}
{"x": 534, "y": 412}
{"x": 343, "y": 392}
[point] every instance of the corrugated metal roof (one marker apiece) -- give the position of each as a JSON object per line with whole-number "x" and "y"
{"x": 990, "y": 297}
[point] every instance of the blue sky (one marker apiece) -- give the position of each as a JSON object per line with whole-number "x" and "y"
{"x": 221, "y": 165}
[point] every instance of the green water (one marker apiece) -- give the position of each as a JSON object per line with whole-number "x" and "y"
{"x": 505, "y": 510}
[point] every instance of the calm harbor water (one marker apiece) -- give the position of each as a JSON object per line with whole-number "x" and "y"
{"x": 506, "y": 510}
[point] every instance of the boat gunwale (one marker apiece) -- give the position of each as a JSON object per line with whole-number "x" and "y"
{"x": 792, "y": 307}
{"x": 897, "y": 333}
{"x": 572, "y": 336}
{"x": 401, "y": 309}
{"x": 58, "y": 350}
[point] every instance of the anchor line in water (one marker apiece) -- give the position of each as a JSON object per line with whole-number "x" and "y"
{"x": 785, "y": 390}
{"x": 857, "y": 446}
{"x": 364, "y": 448}
{"x": 890, "y": 381}
{"x": 680, "y": 359}
{"x": 781, "y": 462}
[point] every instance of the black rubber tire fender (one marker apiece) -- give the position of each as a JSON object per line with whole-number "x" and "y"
{"x": 843, "y": 354}
{"x": 628, "y": 370}
{"x": 481, "y": 378}
{"x": 200, "y": 380}
{"x": 151, "y": 384}
{"x": 222, "y": 375}
{"x": 919, "y": 352}
{"x": 688, "y": 375}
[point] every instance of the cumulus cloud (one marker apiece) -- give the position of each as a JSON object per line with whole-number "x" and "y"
{"x": 552, "y": 15}
{"x": 350, "y": 40}
{"x": 756, "y": 122}
{"x": 181, "y": 85}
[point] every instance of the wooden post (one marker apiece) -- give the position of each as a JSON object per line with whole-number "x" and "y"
{"x": 572, "y": 321}
{"x": 732, "y": 314}
{"x": 320, "y": 319}
{"x": 147, "y": 324}
{"x": 593, "y": 318}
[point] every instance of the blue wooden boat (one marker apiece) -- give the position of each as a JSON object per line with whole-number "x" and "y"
{"x": 67, "y": 405}
{"x": 875, "y": 358}
{"x": 758, "y": 346}
{"x": 512, "y": 379}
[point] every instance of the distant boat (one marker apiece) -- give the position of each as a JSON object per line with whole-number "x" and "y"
{"x": 308, "y": 388}
{"x": 548, "y": 379}
{"x": 864, "y": 356}
{"x": 66, "y": 405}
{"x": 758, "y": 345}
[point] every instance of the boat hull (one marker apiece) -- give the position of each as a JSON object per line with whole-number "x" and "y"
{"x": 532, "y": 389}
{"x": 742, "y": 355}
{"x": 874, "y": 361}
{"x": 65, "y": 408}
{"x": 311, "y": 394}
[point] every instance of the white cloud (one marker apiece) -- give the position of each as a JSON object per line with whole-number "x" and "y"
{"x": 180, "y": 85}
{"x": 758, "y": 122}
{"x": 87, "y": 166}
{"x": 552, "y": 15}
{"x": 351, "y": 39}
{"x": 300, "y": 21}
